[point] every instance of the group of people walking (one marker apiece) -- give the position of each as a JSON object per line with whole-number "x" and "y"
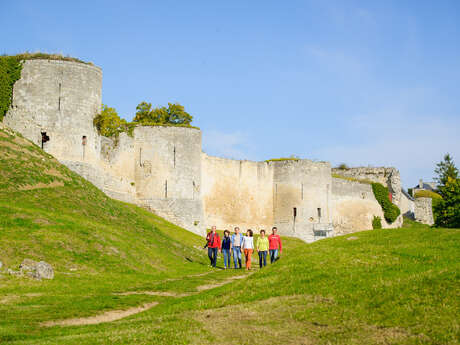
{"x": 238, "y": 244}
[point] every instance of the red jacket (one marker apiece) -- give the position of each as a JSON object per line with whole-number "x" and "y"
{"x": 274, "y": 242}
{"x": 213, "y": 240}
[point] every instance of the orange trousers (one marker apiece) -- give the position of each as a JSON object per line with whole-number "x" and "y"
{"x": 247, "y": 256}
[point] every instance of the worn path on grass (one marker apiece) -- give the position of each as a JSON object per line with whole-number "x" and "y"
{"x": 114, "y": 315}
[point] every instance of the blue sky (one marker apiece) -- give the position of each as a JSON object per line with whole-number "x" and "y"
{"x": 360, "y": 82}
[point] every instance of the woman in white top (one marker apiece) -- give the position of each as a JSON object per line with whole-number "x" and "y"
{"x": 248, "y": 247}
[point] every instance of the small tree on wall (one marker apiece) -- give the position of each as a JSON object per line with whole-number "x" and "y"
{"x": 108, "y": 123}
{"x": 174, "y": 114}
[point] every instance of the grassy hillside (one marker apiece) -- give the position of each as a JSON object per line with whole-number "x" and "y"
{"x": 95, "y": 244}
{"x": 394, "y": 286}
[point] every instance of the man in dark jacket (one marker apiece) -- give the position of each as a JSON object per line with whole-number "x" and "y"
{"x": 213, "y": 241}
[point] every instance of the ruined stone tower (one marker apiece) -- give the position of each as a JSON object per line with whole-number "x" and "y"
{"x": 54, "y": 104}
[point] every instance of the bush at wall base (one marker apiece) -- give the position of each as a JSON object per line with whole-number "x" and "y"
{"x": 390, "y": 210}
{"x": 376, "y": 223}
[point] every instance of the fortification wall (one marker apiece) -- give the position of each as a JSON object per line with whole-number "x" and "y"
{"x": 59, "y": 98}
{"x": 302, "y": 193}
{"x": 237, "y": 193}
{"x": 423, "y": 210}
{"x": 354, "y": 206}
{"x": 407, "y": 205}
{"x": 167, "y": 169}
{"x": 389, "y": 177}
{"x": 164, "y": 170}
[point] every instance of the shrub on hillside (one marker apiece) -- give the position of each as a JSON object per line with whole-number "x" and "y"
{"x": 376, "y": 223}
{"x": 390, "y": 210}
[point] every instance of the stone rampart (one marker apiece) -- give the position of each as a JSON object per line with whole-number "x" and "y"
{"x": 389, "y": 177}
{"x": 237, "y": 193}
{"x": 423, "y": 211}
{"x": 302, "y": 193}
{"x": 164, "y": 170}
{"x": 167, "y": 162}
{"x": 354, "y": 206}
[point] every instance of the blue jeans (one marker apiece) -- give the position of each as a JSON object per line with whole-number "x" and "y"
{"x": 262, "y": 258}
{"x": 212, "y": 254}
{"x": 227, "y": 255}
{"x": 273, "y": 255}
{"x": 237, "y": 256}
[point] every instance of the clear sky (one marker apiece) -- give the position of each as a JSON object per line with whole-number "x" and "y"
{"x": 360, "y": 82}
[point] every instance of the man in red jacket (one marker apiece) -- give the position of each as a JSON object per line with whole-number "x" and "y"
{"x": 274, "y": 242}
{"x": 213, "y": 241}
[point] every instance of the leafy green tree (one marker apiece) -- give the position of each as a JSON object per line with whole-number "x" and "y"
{"x": 108, "y": 123}
{"x": 174, "y": 114}
{"x": 178, "y": 115}
{"x": 446, "y": 169}
{"x": 447, "y": 210}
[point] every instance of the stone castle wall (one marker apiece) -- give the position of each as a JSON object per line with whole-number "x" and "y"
{"x": 302, "y": 193}
{"x": 164, "y": 170}
{"x": 167, "y": 163}
{"x": 237, "y": 193}
{"x": 354, "y": 206}
{"x": 387, "y": 176}
{"x": 423, "y": 211}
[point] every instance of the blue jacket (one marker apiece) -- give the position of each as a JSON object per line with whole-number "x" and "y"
{"x": 226, "y": 243}
{"x": 241, "y": 239}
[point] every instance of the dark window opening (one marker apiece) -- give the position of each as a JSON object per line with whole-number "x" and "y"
{"x": 174, "y": 156}
{"x": 140, "y": 157}
{"x": 295, "y": 212}
{"x": 59, "y": 101}
{"x": 166, "y": 189}
{"x": 83, "y": 140}
{"x": 319, "y": 213}
{"x": 45, "y": 138}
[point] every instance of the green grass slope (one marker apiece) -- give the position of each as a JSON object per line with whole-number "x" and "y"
{"x": 394, "y": 286}
{"x": 398, "y": 286}
{"x": 95, "y": 244}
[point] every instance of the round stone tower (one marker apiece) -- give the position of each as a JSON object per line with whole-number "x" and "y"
{"x": 54, "y": 103}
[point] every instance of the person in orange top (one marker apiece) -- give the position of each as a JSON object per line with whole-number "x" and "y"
{"x": 274, "y": 242}
{"x": 213, "y": 242}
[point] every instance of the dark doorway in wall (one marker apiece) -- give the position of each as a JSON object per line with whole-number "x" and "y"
{"x": 83, "y": 143}
{"x": 45, "y": 138}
